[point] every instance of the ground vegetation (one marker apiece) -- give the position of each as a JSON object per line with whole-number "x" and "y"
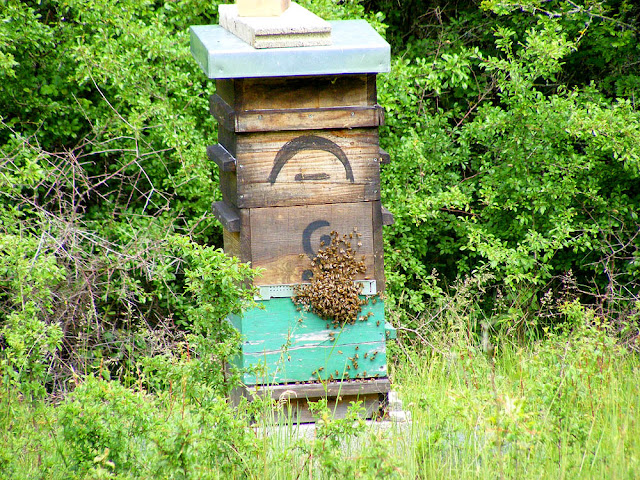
{"x": 513, "y": 265}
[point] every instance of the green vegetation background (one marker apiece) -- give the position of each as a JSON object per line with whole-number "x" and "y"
{"x": 514, "y": 133}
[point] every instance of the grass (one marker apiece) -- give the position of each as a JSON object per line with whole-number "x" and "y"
{"x": 560, "y": 409}
{"x": 565, "y": 406}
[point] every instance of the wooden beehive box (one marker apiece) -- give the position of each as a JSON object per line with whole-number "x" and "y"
{"x": 299, "y": 157}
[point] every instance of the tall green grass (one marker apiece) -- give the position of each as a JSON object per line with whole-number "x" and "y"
{"x": 567, "y": 407}
{"x": 563, "y": 406}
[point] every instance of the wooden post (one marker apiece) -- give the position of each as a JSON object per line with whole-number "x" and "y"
{"x": 262, "y": 8}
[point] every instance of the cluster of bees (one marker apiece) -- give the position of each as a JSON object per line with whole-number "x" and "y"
{"x": 332, "y": 293}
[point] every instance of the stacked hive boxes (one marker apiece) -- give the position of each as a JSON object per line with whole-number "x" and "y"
{"x": 299, "y": 157}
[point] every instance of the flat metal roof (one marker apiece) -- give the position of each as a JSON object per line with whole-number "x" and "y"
{"x": 356, "y": 48}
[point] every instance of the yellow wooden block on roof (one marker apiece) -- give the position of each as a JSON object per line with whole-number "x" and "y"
{"x": 262, "y": 8}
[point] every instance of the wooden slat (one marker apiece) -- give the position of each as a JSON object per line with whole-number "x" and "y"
{"x": 228, "y": 139}
{"x": 321, "y": 390}
{"x": 323, "y": 91}
{"x": 222, "y": 112}
{"x": 305, "y": 119}
{"x": 231, "y": 242}
{"x": 387, "y": 217}
{"x": 372, "y": 91}
{"x": 309, "y": 167}
{"x": 227, "y": 89}
{"x": 294, "y": 119}
{"x": 378, "y": 246}
{"x": 293, "y": 399}
{"x": 286, "y": 238}
{"x": 385, "y": 158}
{"x": 222, "y": 158}
{"x": 245, "y": 235}
{"x": 227, "y": 215}
{"x": 229, "y": 187}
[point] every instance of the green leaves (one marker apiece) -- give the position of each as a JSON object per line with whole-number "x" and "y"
{"x": 497, "y": 164}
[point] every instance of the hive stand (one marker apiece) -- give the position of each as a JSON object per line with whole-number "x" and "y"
{"x": 299, "y": 157}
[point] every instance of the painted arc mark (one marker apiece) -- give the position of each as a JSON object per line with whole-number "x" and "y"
{"x": 306, "y": 243}
{"x": 301, "y": 177}
{"x": 306, "y": 236}
{"x": 308, "y": 142}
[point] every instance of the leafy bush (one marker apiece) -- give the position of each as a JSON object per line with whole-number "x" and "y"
{"x": 499, "y": 165}
{"x": 104, "y": 423}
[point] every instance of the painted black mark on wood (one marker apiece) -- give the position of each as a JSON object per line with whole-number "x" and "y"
{"x": 306, "y": 237}
{"x": 301, "y": 177}
{"x": 308, "y": 142}
{"x": 306, "y": 243}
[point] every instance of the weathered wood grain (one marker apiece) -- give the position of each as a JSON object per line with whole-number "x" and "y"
{"x": 227, "y": 215}
{"x": 327, "y": 389}
{"x": 232, "y": 245}
{"x": 228, "y": 139}
{"x": 281, "y": 93}
{"x": 292, "y": 399}
{"x": 269, "y": 120}
{"x": 221, "y": 157}
{"x": 297, "y": 346}
{"x": 378, "y": 247}
{"x": 285, "y": 239}
{"x": 308, "y": 167}
{"x": 229, "y": 187}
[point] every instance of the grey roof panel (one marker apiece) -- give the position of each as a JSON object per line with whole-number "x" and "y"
{"x": 356, "y": 48}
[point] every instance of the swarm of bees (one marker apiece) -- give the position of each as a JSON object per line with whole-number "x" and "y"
{"x": 332, "y": 293}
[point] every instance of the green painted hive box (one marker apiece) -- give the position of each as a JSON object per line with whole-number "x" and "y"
{"x": 283, "y": 345}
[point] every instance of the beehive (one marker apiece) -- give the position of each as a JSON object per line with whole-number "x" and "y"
{"x": 299, "y": 157}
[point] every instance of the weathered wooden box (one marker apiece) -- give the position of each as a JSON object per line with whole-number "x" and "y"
{"x": 284, "y": 240}
{"x": 299, "y": 157}
{"x": 283, "y": 345}
{"x": 291, "y": 173}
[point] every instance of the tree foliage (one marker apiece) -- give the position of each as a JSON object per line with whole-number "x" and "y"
{"x": 516, "y": 149}
{"x": 513, "y": 129}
